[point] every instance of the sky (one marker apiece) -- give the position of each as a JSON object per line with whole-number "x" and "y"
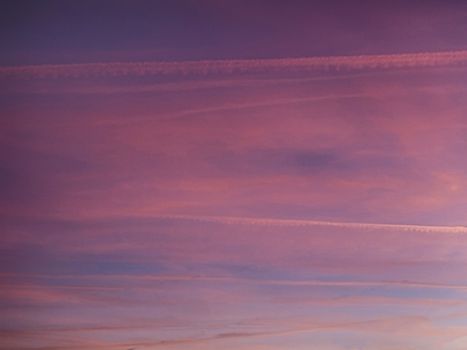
{"x": 248, "y": 175}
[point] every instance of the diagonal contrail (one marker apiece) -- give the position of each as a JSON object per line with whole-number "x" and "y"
{"x": 205, "y": 67}
{"x": 232, "y": 220}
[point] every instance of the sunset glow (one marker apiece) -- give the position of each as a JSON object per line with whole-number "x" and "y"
{"x": 238, "y": 175}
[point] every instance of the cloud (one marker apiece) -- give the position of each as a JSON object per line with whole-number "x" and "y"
{"x": 206, "y": 67}
{"x": 142, "y": 282}
{"x": 303, "y": 223}
{"x": 413, "y": 325}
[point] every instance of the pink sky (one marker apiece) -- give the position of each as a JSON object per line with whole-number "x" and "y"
{"x": 222, "y": 175}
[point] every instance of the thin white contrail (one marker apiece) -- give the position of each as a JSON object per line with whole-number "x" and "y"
{"x": 205, "y": 67}
{"x": 231, "y": 220}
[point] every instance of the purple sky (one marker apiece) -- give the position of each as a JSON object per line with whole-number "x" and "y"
{"x": 248, "y": 175}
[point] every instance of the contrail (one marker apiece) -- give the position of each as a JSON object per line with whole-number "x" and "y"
{"x": 232, "y": 220}
{"x": 206, "y": 67}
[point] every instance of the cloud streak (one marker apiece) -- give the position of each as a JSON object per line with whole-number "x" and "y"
{"x": 231, "y": 220}
{"x": 206, "y": 67}
{"x": 261, "y": 281}
{"x": 132, "y": 279}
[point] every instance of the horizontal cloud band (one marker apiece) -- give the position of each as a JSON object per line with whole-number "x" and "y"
{"x": 303, "y": 223}
{"x": 116, "y": 69}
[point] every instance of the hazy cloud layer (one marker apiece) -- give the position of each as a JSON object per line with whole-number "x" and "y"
{"x": 249, "y": 177}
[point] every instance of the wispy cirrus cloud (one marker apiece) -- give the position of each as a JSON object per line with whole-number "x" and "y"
{"x": 116, "y": 69}
{"x": 415, "y": 326}
{"x": 87, "y": 283}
